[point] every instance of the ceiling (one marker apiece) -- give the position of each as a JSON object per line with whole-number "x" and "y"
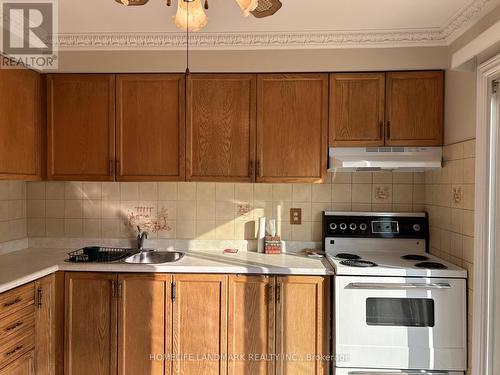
{"x": 98, "y": 24}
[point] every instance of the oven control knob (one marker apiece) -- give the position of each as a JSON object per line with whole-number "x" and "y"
{"x": 363, "y": 226}
{"x": 353, "y": 226}
{"x": 343, "y": 226}
{"x": 333, "y": 226}
{"x": 416, "y": 227}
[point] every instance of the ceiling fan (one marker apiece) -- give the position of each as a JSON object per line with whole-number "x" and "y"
{"x": 191, "y": 15}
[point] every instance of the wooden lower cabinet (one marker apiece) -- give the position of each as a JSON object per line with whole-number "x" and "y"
{"x": 199, "y": 324}
{"x": 301, "y": 337}
{"x": 90, "y": 332}
{"x": 193, "y": 324}
{"x": 144, "y": 324}
{"x": 24, "y": 365}
{"x": 251, "y": 339}
{"x": 48, "y": 329}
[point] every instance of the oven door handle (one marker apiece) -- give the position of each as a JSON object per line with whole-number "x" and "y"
{"x": 396, "y": 286}
{"x": 408, "y": 372}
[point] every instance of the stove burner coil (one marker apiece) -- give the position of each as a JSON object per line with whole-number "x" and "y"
{"x": 415, "y": 257}
{"x": 431, "y": 265}
{"x": 347, "y": 256}
{"x": 358, "y": 263}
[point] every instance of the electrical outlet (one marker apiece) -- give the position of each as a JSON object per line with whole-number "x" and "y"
{"x": 295, "y": 216}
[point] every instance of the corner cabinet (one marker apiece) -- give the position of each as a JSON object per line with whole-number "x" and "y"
{"x": 80, "y": 127}
{"x": 150, "y": 129}
{"x": 414, "y": 108}
{"x": 221, "y": 127}
{"x": 292, "y": 127}
{"x": 21, "y": 119}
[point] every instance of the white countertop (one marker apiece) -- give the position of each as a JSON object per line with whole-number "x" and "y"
{"x": 26, "y": 265}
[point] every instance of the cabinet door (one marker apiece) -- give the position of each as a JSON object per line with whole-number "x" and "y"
{"x": 221, "y": 127}
{"x": 20, "y": 119}
{"x": 292, "y": 122}
{"x": 47, "y": 339}
{"x": 150, "y": 127}
{"x": 81, "y": 127}
{"x": 21, "y": 366}
{"x": 300, "y": 325}
{"x": 200, "y": 324}
{"x": 357, "y": 103}
{"x": 144, "y": 317}
{"x": 90, "y": 332}
{"x": 414, "y": 111}
{"x": 251, "y": 325}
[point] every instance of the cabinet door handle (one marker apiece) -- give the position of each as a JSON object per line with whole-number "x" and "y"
{"x": 270, "y": 291}
{"x": 12, "y": 303}
{"x": 251, "y": 167}
{"x": 39, "y": 297}
{"x": 173, "y": 291}
{"x": 113, "y": 289}
{"x": 278, "y": 293}
{"x": 111, "y": 165}
{"x": 381, "y": 129}
{"x": 13, "y": 326}
{"x": 388, "y": 130}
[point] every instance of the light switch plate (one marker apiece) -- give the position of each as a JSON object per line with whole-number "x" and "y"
{"x": 295, "y": 216}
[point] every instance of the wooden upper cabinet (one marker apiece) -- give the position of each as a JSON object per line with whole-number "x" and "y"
{"x": 292, "y": 127}
{"x": 144, "y": 324}
{"x": 221, "y": 127}
{"x": 200, "y": 324}
{"x": 90, "y": 331}
{"x": 150, "y": 130}
{"x": 357, "y": 103}
{"x": 20, "y": 124}
{"x": 414, "y": 108}
{"x": 301, "y": 325}
{"x": 81, "y": 127}
{"x": 251, "y": 324}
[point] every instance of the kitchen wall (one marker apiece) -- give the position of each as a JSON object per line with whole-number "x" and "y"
{"x": 460, "y": 106}
{"x": 449, "y": 200}
{"x": 12, "y": 210}
{"x": 222, "y": 211}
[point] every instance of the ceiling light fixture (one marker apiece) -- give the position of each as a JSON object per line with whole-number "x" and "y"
{"x": 196, "y": 17}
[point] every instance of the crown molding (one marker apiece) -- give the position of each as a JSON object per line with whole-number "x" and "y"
{"x": 276, "y": 40}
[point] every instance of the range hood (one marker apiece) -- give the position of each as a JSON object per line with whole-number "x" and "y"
{"x": 384, "y": 158}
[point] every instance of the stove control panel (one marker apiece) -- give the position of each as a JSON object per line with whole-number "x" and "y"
{"x": 375, "y": 225}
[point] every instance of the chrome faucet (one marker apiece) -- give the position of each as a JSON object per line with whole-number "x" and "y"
{"x": 141, "y": 237}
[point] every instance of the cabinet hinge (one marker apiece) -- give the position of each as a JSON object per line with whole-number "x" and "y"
{"x": 173, "y": 290}
{"x": 39, "y": 297}
{"x": 495, "y": 87}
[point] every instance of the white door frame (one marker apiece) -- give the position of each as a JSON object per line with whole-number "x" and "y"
{"x": 486, "y": 163}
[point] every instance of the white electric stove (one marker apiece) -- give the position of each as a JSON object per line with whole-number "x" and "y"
{"x": 397, "y": 309}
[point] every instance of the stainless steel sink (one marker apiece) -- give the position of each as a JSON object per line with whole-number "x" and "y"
{"x": 155, "y": 257}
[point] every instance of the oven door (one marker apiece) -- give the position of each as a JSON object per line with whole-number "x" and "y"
{"x": 400, "y": 323}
